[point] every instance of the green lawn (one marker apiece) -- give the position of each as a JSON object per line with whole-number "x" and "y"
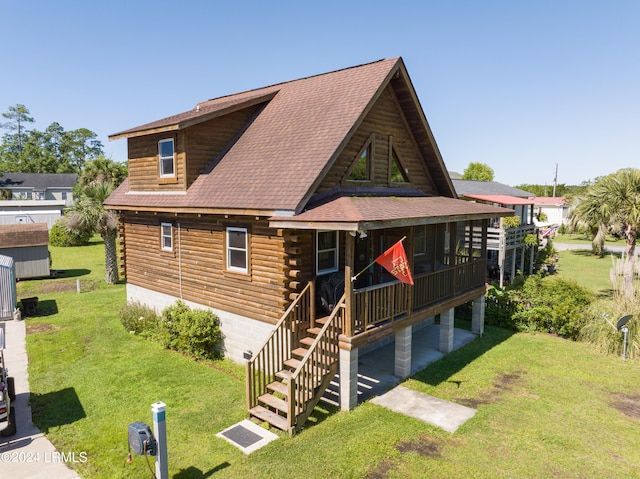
{"x": 588, "y": 269}
{"x": 583, "y": 239}
{"x": 547, "y": 407}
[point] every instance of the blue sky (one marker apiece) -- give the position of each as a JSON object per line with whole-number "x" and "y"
{"x": 517, "y": 85}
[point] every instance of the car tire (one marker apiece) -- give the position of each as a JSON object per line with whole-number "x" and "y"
{"x": 11, "y": 388}
{"x": 12, "y": 427}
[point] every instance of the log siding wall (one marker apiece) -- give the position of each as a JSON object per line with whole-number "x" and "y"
{"x": 195, "y": 148}
{"x": 196, "y": 271}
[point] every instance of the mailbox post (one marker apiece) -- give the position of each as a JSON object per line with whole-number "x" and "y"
{"x": 160, "y": 432}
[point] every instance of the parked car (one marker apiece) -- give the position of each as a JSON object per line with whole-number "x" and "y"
{"x": 7, "y": 395}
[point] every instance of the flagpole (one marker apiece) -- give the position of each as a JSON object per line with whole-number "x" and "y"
{"x": 353, "y": 278}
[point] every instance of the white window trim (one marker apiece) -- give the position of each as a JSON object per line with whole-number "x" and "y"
{"x": 162, "y": 158}
{"x": 163, "y": 236}
{"x": 318, "y": 251}
{"x": 245, "y": 249}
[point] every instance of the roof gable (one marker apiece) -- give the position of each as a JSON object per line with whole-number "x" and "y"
{"x": 281, "y": 157}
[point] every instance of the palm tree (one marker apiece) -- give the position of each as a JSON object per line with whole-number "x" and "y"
{"x": 614, "y": 199}
{"x": 101, "y": 169}
{"x": 88, "y": 213}
{"x": 590, "y": 212}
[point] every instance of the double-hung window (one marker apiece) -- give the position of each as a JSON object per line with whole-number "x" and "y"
{"x": 237, "y": 250}
{"x": 167, "y": 161}
{"x": 166, "y": 236}
{"x": 326, "y": 252}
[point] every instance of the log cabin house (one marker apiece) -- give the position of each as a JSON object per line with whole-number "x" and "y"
{"x": 263, "y": 206}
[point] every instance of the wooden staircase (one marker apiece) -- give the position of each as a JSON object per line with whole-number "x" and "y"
{"x": 288, "y": 376}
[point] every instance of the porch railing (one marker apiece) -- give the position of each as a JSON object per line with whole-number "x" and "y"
{"x": 388, "y": 302}
{"x": 292, "y": 327}
{"x": 317, "y": 368}
{"x": 499, "y": 238}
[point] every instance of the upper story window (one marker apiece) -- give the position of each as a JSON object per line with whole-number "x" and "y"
{"x": 361, "y": 168}
{"x": 167, "y": 158}
{"x": 166, "y": 236}
{"x": 397, "y": 174}
{"x": 326, "y": 252}
{"x": 237, "y": 250}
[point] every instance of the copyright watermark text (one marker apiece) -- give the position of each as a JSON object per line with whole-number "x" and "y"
{"x": 47, "y": 457}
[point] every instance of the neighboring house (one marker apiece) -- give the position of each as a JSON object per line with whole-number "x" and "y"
{"x": 262, "y": 205}
{"x": 555, "y": 208}
{"x": 35, "y": 197}
{"x": 506, "y": 248}
{"x": 28, "y": 245}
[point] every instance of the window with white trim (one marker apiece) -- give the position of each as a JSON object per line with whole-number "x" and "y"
{"x": 167, "y": 158}
{"x": 326, "y": 252}
{"x": 166, "y": 236}
{"x": 237, "y": 250}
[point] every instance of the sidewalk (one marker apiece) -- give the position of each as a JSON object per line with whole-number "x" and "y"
{"x": 28, "y": 454}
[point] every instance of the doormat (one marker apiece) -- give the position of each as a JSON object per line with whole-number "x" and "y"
{"x": 247, "y": 436}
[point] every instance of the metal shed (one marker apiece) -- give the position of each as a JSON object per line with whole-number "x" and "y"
{"x": 7, "y": 287}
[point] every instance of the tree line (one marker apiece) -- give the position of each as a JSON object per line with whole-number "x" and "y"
{"x": 54, "y": 150}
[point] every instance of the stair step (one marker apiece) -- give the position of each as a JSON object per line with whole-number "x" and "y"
{"x": 292, "y": 363}
{"x": 314, "y": 331}
{"x": 284, "y": 374}
{"x": 271, "y": 417}
{"x": 279, "y": 387}
{"x": 307, "y": 341}
{"x": 322, "y": 320}
{"x": 274, "y": 402}
{"x": 300, "y": 352}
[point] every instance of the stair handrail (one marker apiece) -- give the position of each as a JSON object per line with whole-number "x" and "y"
{"x": 292, "y": 416}
{"x": 276, "y": 341}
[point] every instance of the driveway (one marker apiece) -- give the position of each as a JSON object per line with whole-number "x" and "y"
{"x": 29, "y": 454}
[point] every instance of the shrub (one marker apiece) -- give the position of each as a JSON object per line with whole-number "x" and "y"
{"x": 61, "y": 235}
{"x": 139, "y": 319}
{"x": 194, "y": 332}
{"x": 600, "y": 328}
{"x": 552, "y": 304}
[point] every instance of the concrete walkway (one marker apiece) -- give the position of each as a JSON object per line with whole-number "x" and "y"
{"x": 376, "y": 380}
{"x": 28, "y": 454}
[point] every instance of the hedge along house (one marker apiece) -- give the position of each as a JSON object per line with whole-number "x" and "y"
{"x": 263, "y": 205}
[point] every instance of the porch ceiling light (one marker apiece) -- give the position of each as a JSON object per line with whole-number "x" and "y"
{"x": 363, "y": 234}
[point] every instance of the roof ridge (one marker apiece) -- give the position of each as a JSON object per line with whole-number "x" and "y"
{"x": 231, "y": 95}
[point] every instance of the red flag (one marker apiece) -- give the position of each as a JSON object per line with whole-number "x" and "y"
{"x": 395, "y": 261}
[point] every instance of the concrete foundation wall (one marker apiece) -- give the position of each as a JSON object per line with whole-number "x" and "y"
{"x": 240, "y": 333}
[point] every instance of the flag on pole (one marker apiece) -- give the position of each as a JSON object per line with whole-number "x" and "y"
{"x": 395, "y": 261}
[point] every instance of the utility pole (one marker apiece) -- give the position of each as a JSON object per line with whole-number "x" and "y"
{"x": 555, "y": 181}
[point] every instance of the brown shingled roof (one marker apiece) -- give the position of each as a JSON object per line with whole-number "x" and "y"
{"x": 353, "y": 213}
{"x": 22, "y": 235}
{"x": 285, "y": 152}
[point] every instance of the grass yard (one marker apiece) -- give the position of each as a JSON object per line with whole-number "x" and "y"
{"x": 547, "y": 407}
{"x": 588, "y": 269}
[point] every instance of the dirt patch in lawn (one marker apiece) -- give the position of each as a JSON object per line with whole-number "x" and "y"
{"x": 424, "y": 446}
{"x": 503, "y": 383}
{"x": 39, "y": 328}
{"x": 627, "y": 405}
{"x": 381, "y": 470}
{"x": 64, "y": 285}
